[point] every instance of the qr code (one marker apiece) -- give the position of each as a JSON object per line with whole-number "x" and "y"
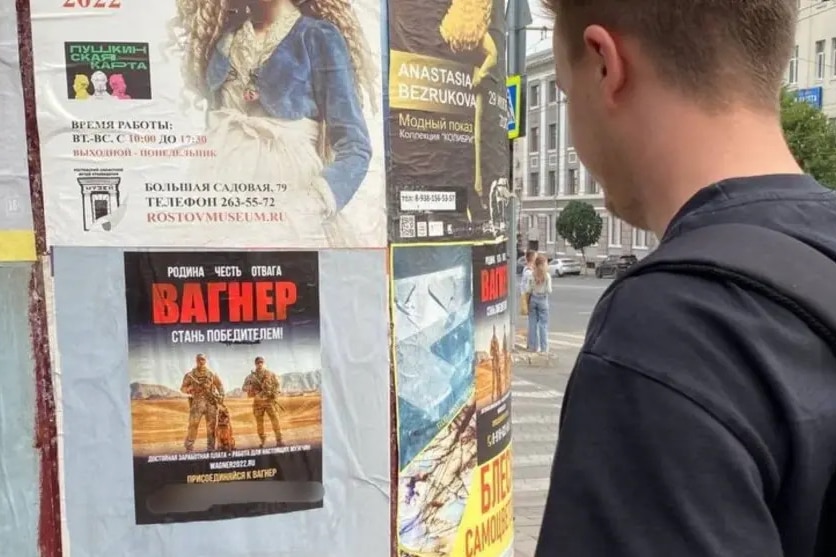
{"x": 407, "y": 223}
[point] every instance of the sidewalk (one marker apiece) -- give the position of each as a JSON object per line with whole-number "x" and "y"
{"x": 521, "y": 355}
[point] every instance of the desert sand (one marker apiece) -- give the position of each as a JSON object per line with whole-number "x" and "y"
{"x": 159, "y": 426}
{"x": 484, "y": 382}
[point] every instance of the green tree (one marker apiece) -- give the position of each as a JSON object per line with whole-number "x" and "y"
{"x": 580, "y": 225}
{"x": 811, "y": 137}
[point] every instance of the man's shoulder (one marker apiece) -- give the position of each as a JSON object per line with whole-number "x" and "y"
{"x": 664, "y": 322}
{"x": 708, "y": 339}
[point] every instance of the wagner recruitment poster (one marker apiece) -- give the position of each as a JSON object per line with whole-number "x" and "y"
{"x": 448, "y": 120}
{"x": 225, "y": 384}
{"x": 487, "y": 528}
{"x": 205, "y": 122}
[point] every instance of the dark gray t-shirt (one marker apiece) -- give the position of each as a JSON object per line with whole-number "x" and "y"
{"x": 700, "y": 418}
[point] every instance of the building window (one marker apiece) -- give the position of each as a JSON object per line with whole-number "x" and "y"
{"x": 792, "y": 78}
{"x": 639, "y": 238}
{"x": 530, "y": 221}
{"x": 550, "y": 230}
{"x": 534, "y": 96}
{"x": 551, "y": 185}
{"x": 572, "y": 182}
{"x": 833, "y": 57}
{"x": 534, "y": 139}
{"x": 533, "y": 184}
{"x": 552, "y": 137}
{"x": 552, "y": 91}
{"x": 590, "y": 186}
{"x": 820, "y": 60}
{"x": 615, "y": 232}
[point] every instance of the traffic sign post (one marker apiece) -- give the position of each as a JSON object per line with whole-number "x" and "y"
{"x": 514, "y": 85}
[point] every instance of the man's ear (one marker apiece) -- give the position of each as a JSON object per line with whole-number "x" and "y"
{"x": 606, "y": 54}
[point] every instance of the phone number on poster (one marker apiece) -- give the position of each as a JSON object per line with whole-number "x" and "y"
{"x": 428, "y": 201}
{"x": 230, "y": 202}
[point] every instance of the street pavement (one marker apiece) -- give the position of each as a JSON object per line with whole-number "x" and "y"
{"x": 538, "y": 385}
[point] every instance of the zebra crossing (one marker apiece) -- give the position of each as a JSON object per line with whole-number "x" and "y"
{"x": 558, "y": 341}
{"x": 536, "y": 402}
{"x": 534, "y": 420}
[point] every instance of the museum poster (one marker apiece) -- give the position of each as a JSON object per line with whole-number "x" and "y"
{"x": 448, "y": 120}
{"x": 234, "y": 124}
{"x": 225, "y": 384}
{"x": 453, "y": 406}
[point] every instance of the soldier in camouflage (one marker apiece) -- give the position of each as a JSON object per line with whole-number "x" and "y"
{"x": 206, "y": 393}
{"x": 262, "y": 386}
{"x": 496, "y": 366}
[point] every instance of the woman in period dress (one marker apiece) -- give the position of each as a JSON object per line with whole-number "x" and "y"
{"x": 284, "y": 81}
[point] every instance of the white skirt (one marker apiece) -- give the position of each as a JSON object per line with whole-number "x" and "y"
{"x": 282, "y": 153}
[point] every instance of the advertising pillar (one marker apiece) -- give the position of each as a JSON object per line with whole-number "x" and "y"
{"x": 273, "y": 244}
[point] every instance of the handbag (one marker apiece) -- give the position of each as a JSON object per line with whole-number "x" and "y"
{"x": 525, "y": 299}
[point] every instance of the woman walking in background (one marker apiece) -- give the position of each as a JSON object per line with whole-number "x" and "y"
{"x": 539, "y": 287}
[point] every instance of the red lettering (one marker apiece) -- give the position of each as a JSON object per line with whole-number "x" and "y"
{"x": 263, "y": 301}
{"x": 194, "y": 302}
{"x": 164, "y": 303}
{"x": 192, "y": 308}
{"x": 495, "y": 478}
{"x": 484, "y": 470}
{"x": 213, "y": 292}
{"x": 468, "y": 543}
{"x": 285, "y": 297}
{"x": 494, "y": 283}
{"x": 240, "y": 302}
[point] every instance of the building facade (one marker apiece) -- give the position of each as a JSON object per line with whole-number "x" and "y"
{"x": 550, "y": 175}
{"x": 812, "y": 68}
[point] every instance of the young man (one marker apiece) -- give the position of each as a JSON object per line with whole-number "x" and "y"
{"x": 700, "y": 419}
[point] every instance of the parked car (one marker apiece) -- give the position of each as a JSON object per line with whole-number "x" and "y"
{"x": 615, "y": 265}
{"x": 560, "y": 266}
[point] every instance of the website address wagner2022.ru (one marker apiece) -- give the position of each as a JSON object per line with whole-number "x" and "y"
{"x": 197, "y": 217}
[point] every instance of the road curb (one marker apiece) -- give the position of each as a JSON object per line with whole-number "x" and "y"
{"x": 521, "y": 355}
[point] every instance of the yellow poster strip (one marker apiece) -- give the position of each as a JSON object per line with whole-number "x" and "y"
{"x": 17, "y": 245}
{"x": 487, "y": 527}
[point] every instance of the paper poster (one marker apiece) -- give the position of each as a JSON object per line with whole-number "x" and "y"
{"x": 452, "y": 367}
{"x": 487, "y": 528}
{"x": 230, "y": 123}
{"x": 17, "y": 237}
{"x": 448, "y": 119}
{"x": 433, "y": 330}
{"x": 225, "y": 384}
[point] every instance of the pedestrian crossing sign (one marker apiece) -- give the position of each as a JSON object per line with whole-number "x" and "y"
{"x": 514, "y": 87}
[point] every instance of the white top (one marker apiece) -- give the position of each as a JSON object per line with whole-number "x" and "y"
{"x": 540, "y": 289}
{"x": 527, "y": 275}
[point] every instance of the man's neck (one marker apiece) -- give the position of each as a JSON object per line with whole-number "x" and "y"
{"x": 701, "y": 151}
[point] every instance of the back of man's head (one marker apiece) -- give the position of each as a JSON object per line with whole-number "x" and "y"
{"x": 712, "y": 50}
{"x": 665, "y": 97}
{"x": 530, "y": 255}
